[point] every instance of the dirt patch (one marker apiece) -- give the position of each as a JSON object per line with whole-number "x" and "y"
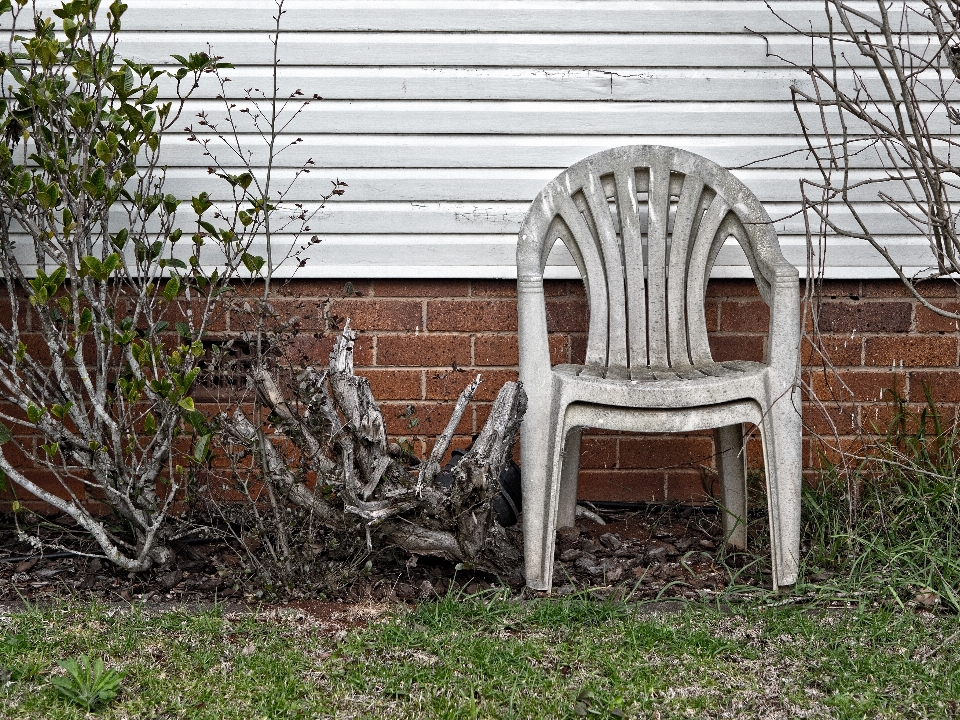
{"x": 654, "y": 553}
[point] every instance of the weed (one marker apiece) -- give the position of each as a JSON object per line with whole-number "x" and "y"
{"x": 890, "y": 528}
{"x": 87, "y": 683}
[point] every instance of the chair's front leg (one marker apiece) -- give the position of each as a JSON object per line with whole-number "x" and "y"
{"x": 536, "y": 478}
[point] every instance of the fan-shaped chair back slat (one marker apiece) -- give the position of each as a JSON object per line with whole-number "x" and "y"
{"x": 644, "y": 225}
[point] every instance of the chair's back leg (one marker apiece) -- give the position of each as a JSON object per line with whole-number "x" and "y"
{"x": 570, "y": 469}
{"x": 732, "y": 468}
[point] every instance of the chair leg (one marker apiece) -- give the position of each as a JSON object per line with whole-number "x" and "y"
{"x": 570, "y": 469}
{"x": 732, "y": 466}
{"x": 781, "y": 430}
{"x": 539, "y": 486}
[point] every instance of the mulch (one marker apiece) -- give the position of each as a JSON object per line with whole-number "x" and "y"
{"x": 651, "y": 553}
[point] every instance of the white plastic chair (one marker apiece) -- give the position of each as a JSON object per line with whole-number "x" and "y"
{"x": 644, "y": 225}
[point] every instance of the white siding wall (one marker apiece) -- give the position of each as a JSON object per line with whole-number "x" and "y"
{"x": 446, "y": 117}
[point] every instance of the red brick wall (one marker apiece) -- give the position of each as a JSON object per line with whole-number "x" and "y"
{"x": 412, "y": 333}
{"x": 421, "y": 342}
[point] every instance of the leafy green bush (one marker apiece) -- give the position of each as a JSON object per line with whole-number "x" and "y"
{"x": 118, "y": 287}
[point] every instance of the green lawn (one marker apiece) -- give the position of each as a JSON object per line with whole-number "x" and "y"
{"x": 493, "y": 658}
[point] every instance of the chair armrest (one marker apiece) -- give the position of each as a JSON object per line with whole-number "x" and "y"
{"x": 783, "y": 340}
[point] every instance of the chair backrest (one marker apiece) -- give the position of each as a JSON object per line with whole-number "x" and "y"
{"x": 644, "y": 224}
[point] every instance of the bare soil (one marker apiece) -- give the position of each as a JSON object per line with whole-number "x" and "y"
{"x": 658, "y": 552}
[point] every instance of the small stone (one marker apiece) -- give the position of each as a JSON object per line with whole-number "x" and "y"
{"x": 405, "y": 591}
{"x": 708, "y": 544}
{"x": 168, "y": 580}
{"x": 566, "y": 589}
{"x": 586, "y": 561}
{"x": 657, "y": 552}
{"x": 425, "y": 590}
{"x": 614, "y": 574}
{"x": 683, "y": 544}
{"x": 570, "y": 555}
{"x": 588, "y": 545}
{"x": 611, "y": 541}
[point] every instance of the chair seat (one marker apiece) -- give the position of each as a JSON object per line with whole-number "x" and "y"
{"x": 660, "y": 387}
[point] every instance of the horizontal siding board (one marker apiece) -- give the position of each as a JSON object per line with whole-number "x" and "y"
{"x": 457, "y": 83}
{"x": 486, "y": 151}
{"x": 476, "y": 184}
{"x": 482, "y": 17}
{"x": 482, "y": 50}
{"x": 485, "y": 218}
{"x": 542, "y": 118}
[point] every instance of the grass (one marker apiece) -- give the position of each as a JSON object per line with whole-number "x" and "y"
{"x": 890, "y": 526}
{"x": 491, "y": 657}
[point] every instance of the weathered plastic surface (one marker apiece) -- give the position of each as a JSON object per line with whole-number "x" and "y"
{"x": 644, "y": 224}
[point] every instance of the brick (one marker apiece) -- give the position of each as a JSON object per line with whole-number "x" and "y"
{"x": 835, "y": 289}
{"x": 448, "y": 385}
{"x": 687, "y": 487}
{"x": 429, "y": 350}
{"x": 665, "y": 451}
{"x": 574, "y": 287}
{"x": 578, "y": 349}
{"x": 913, "y": 351}
{"x": 621, "y": 485}
{"x": 394, "y": 384}
{"x": 503, "y": 350}
{"x": 567, "y": 316}
{"x": 315, "y": 348}
{"x": 737, "y": 347}
{"x": 944, "y": 385}
{"x": 896, "y": 289}
{"x": 841, "y": 350}
{"x": 598, "y": 453}
{"x": 46, "y": 480}
{"x": 472, "y": 315}
{"x": 856, "y": 385}
{"x": 879, "y": 418}
{"x": 711, "y": 312}
{"x": 379, "y": 314}
{"x": 422, "y": 418}
{"x": 493, "y": 288}
{"x": 732, "y": 288}
{"x": 866, "y": 317}
{"x": 828, "y": 419}
{"x": 832, "y": 452}
{"x": 320, "y": 288}
{"x": 311, "y": 314}
{"x": 929, "y": 321}
{"x": 421, "y": 288}
{"x": 745, "y": 316}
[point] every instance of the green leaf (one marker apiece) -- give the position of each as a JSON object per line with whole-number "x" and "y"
{"x": 202, "y": 449}
{"x": 186, "y": 403}
{"x": 171, "y": 289}
{"x": 87, "y": 684}
{"x": 5, "y": 435}
{"x": 34, "y": 413}
{"x": 253, "y": 263}
{"x": 149, "y": 423}
{"x": 60, "y": 411}
{"x": 51, "y": 449}
{"x": 201, "y": 203}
